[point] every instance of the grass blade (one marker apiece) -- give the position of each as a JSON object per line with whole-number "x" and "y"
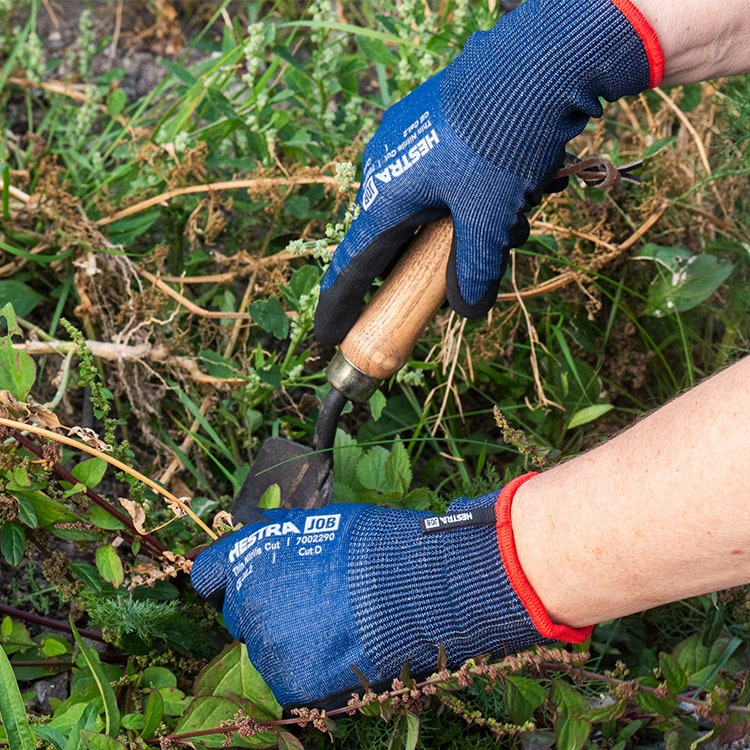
{"x": 111, "y": 712}
{"x": 12, "y": 709}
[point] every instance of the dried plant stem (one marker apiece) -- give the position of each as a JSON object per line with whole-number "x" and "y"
{"x": 152, "y": 546}
{"x": 110, "y": 460}
{"x": 114, "y": 352}
{"x": 16, "y": 193}
{"x": 257, "y": 183}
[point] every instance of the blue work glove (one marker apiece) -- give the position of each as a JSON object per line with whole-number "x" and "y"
{"x": 482, "y": 140}
{"x": 312, "y": 593}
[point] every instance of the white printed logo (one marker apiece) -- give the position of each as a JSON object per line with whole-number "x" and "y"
{"x": 432, "y": 523}
{"x": 322, "y": 523}
{"x": 406, "y": 161}
{"x": 370, "y": 193}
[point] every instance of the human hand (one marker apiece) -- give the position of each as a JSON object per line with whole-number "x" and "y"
{"x": 482, "y": 141}
{"x": 312, "y": 593}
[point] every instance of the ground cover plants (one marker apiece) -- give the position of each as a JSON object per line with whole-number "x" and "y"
{"x": 174, "y": 177}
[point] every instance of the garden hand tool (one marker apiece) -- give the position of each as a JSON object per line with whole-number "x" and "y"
{"x": 376, "y": 347}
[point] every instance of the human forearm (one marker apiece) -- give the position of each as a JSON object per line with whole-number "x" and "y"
{"x": 656, "y": 514}
{"x": 700, "y": 40}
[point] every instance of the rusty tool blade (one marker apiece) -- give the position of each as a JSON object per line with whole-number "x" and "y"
{"x": 304, "y": 476}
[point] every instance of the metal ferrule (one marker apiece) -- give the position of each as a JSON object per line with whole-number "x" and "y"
{"x": 349, "y": 379}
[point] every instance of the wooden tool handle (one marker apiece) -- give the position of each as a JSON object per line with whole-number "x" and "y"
{"x": 381, "y": 340}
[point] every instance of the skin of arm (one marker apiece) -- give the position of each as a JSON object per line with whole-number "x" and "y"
{"x": 659, "y": 513}
{"x": 700, "y": 40}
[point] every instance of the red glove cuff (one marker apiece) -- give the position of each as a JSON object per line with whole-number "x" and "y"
{"x": 516, "y": 576}
{"x": 648, "y": 36}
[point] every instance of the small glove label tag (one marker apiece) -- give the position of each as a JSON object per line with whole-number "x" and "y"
{"x": 473, "y": 517}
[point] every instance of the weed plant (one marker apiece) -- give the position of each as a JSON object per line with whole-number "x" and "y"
{"x": 159, "y": 262}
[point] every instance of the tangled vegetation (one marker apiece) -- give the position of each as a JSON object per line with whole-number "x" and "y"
{"x": 174, "y": 177}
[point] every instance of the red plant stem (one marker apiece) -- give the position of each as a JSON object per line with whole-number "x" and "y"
{"x": 154, "y": 546}
{"x": 47, "y": 622}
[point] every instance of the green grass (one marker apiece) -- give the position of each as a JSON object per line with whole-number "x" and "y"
{"x": 285, "y": 92}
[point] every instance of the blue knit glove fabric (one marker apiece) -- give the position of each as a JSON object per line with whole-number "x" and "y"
{"x": 313, "y": 592}
{"x": 481, "y": 140}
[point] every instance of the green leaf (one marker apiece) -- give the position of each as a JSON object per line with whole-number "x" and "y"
{"x": 412, "y": 731}
{"x": 17, "y": 368}
{"x": 12, "y": 709}
{"x": 154, "y": 713}
{"x": 588, "y": 414}
{"x": 398, "y": 468}
{"x": 522, "y": 697}
{"x": 90, "y": 472}
{"x": 184, "y": 75}
{"x": 103, "y": 519}
{"x": 658, "y": 145}
{"x": 652, "y": 704}
{"x": 231, "y": 674}
{"x": 14, "y": 633}
{"x": 207, "y": 712}
{"x": 568, "y": 700}
{"x": 571, "y": 734}
{"x": 110, "y": 565}
{"x": 116, "y": 101}
{"x": 23, "y": 298}
{"x": 605, "y": 713}
{"x": 684, "y": 282}
{"x": 270, "y": 316}
{"x": 287, "y": 741}
{"x": 158, "y": 677}
{"x": 13, "y": 542}
{"x": 26, "y": 512}
{"x": 95, "y": 741}
{"x": 370, "y": 469}
{"x": 346, "y": 456}
{"x": 377, "y": 404}
{"x": 175, "y": 701}
{"x": 111, "y": 712}
{"x": 54, "y": 647}
{"x": 698, "y": 660}
{"x": 271, "y": 498}
{"x": 55, "y": 738}
{"x": 673, "y": 673}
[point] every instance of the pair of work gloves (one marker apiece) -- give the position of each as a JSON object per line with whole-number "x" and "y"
{"x": 313, "y": 593}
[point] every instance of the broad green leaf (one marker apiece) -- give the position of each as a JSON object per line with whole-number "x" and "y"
{"x": 158, "y": 677}
{"x": 522, "y": 697}
{"x": 207, "y": 712}
{"x": 571, "y": 734}
{"x": 657, "y": 146}
{"x": 104, "y": 520}
{"x": 90, "y": 472}
{"x": 116, "y": 101}
{"x": 569, "y": 700}
{"x": 673, "y": 673}
{"x": 95, "y": 741}
{"x": 377, "y": 404}
{"x": 110, "y": 565}
{"x": 55, "y": 738}
{"x": 175, "y": 701}
{"x": 271, "y": 498}
{"x": 133, "y": 721}
{"x": 154, "y": 713}
{"x": 650, "y": 703}
{"x": 698, "y": 660}
{"x": 605, "y": 713}
{"x": 12, "y": 709}
{"x": 370, "y": 469}
{"x": 684, "y": 281}
{"x": 588, "y": 414}
{"x": 270, "y": 316}
{"x": 111, "y": 712}
{"x": 23, "y": 298}
{"x": 86, "y": 721}
{"x": 26, "y": 512}
{"x": 287, "y": 741}
{"x": 14, "y": 633}
{"x": 398, "y": 469}
{"x": 412, "y": 731}
{"x": 54, "y": 647}
{"x": 346, "y": 455}
{"x": 13, "y": 542}
{"x": 231, "y": 674}
{"x": 17, "y": 368}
